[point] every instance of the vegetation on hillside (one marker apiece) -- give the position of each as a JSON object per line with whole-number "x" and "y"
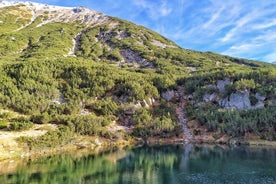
{"x": 42, "y": 81}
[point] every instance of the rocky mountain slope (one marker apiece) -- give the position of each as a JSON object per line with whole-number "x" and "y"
{"x": 85, "y": 71}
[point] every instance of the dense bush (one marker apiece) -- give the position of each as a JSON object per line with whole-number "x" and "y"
{"x": 237, "y": 123}
{"x": 3, "y": 123}
{"x": 20, "y": 125}
{"x": 51, "y": 139}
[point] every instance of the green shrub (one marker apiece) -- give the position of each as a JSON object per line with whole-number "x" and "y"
{"x": 20, "y": 125}
{"x": 105, "y": 107}
{"x": 41, "y": 118}
{"x": 51, "y": 139}
{"x": 253, "y": 100}
{"x": 5, "y": 115}
{"x": 243, "y": 84}
{"x": 91, "y": 125}
{"x": 3, "y": 123}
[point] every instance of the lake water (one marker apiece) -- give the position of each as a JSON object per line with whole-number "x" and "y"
{"x": 174, "y": 164}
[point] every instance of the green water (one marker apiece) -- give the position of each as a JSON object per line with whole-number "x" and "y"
{"x": 175, "y": 164}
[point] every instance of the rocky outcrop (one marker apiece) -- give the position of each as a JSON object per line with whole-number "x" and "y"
{"x": 222, "y": 83}
{"x": 145, "y": 103}
{"x": 162, "y": 45}
{"x": 60, "y": 99}
{"x": 210, "y": 97}
{"x": 168, "y": 95}
{"x": 60, "y": 14}
{"x": 241, "y": 100}
{"x": 133, "y": 57}
{"x": 122, "y": 35}
{"x": 238, "y": 100}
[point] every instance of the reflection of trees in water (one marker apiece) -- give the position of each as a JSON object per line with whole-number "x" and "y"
{"x": 155, "y": 164}
{"x": 148, "y": 165}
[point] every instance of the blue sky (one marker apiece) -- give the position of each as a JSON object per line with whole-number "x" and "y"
{"x": 241, "y": 28}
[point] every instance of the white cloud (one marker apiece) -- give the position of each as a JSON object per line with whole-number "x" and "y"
{"x": 164, "y": 9}
{"x": 265, "y": 25}
{"x": 242, "y": 49}
{"x": 239, "y": 26}
{"x": 154, "y": 9}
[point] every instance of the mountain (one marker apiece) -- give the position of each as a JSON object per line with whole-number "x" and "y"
{"x": 92, "y": 74}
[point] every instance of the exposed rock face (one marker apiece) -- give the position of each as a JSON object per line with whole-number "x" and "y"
{"x": 132, "y": 57}
{"x": 162, "y": 45}
{"x": 151, "y": 101}
{"x": 122, "y": 35}
{"x": 144, "y": 103}
{"x": 60, "y": 99}
{"x": 168, "y": 95}
{"x": 240, "y": 100}
{"x": 82, "y": 15}
{"x": 259, "y": 97}
{"x": 222, "y": 83}
{"x": 210, "y": 97}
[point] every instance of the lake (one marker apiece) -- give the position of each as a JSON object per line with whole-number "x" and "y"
{"x": 173, "y": 164}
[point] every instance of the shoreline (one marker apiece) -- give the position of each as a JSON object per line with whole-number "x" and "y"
{"x": 103, "y": 145}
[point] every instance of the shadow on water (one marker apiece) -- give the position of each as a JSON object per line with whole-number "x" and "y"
{"x": 152, "y": 164}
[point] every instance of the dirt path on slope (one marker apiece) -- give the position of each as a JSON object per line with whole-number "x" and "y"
{"x": 182, "y": 117}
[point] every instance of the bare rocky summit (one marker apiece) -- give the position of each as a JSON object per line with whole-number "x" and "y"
{"x": 51, "y": 13}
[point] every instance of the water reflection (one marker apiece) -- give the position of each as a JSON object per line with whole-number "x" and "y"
{"x": 153, "y": 164}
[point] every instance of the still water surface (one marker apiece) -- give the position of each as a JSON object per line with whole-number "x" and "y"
{"x": 174, "y": 164}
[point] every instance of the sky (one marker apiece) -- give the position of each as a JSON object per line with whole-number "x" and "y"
{"x": 240, "y": 28}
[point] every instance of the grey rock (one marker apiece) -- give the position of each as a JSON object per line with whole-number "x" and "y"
{"x": 144, "y": 103}
{"x": 258, "y": 105}
{"x": 60, "y": 99}
{"x": 133, "y": 57}
{"x": 259, "y": 97}
{"x": 209, "y": 97}
{"x": 238, "y": 100}
{"x": 222, "y": 83}
{"x": 137, "y": 104}
{"x": 151, "y": 101}
{"x": 168, "y": 95}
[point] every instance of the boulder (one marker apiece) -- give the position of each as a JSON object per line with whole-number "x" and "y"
{"x": 151, "y": 101}
{"x": 259, "y": 97}
{"x": 144, "y": 103}
{"x": 222, "y": 83}
{"x": 168, "y": 95}
{"x": 209, "y": 97}
{"x": 238, "y": 100}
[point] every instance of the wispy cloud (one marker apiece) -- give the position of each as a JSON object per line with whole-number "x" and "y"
{"x": 155, "y": 9}
{"x": 237, "y": 28}
{"x": 267, "y": 24}
{"x": 165, "y": 9}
